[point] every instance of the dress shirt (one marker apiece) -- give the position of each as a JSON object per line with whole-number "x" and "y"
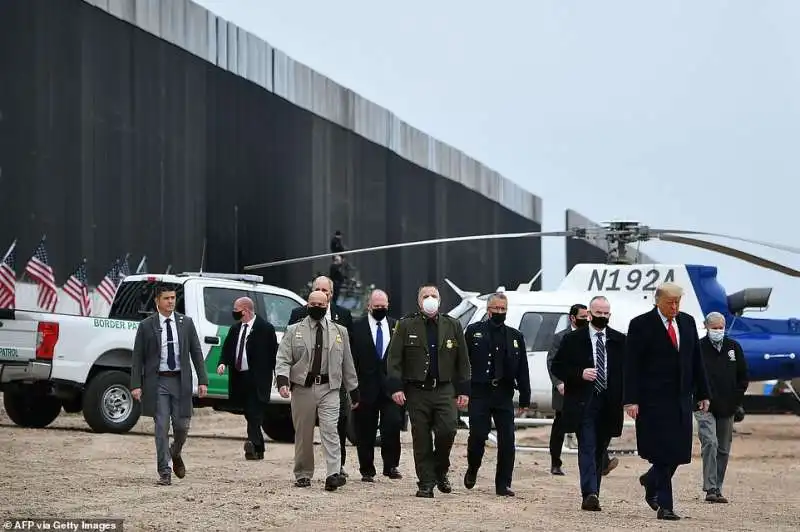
{"x": 162, "y": 322}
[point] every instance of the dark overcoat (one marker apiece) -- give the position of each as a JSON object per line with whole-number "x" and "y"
{"x": 666, "y": 383}
{"x": 147, "y": 358}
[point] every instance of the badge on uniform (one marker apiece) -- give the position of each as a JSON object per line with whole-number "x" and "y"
{"x": 339, "y": 338}
{"x": 516, "y": 344}
{"x": 732, "y": 355}
{"x": 449, "y": 344}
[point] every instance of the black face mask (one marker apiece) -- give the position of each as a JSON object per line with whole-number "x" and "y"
{"x": 498, "y": 318}
{"x": 581, "y": 323}
{"x": 379, "y": 313}
{"x": 317, "y": 313}
{"x": 237, "y": 314}
{"x": 600, "y": 322}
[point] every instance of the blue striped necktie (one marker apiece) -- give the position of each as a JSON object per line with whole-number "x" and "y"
{"x": 600, "y": 381}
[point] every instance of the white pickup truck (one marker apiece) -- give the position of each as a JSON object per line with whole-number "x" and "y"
{"x": 49, "y": 361}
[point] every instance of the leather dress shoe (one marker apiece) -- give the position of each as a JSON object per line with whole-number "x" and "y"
{"x": 667, "y": 515}
{"x": 470, "y": 477}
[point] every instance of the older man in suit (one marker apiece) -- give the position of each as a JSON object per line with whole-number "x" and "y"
{"x": 665, "y": 379}
{"x": 590, "y": 362}
{"x": 343, "y": 317}
{"x": 314, "y": 361}
{"x": 370, "y": 339}
{"x": 250, "y": 350}
{"x": 165, "y": 348}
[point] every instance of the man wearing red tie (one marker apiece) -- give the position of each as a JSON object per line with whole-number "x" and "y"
{"x": 665, "y": 381}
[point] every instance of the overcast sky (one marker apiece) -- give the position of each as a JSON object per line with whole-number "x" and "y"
{"x": 688, "y": 110}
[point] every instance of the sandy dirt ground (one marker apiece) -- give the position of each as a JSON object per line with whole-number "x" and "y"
{"x": 66, "y": 471}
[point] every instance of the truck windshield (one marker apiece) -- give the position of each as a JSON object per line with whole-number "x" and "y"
{"x": 135, "y": 300}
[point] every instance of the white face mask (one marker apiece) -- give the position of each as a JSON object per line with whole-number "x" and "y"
{"x": 716, "y": 335}
{"x": 430, "y": 305}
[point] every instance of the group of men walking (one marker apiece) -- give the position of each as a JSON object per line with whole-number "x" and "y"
{"x": 375, "y": 367}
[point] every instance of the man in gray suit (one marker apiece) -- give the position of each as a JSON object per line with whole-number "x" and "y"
{"x": 165, "y": 348}
{"x": 313, "y": 361}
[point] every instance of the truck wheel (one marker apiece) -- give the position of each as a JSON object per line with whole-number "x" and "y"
{"x": 30, "y": 409}
{"x": 108, "y": 405}
{"x": 278, "y": 425}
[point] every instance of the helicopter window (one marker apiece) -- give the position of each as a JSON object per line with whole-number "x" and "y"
{"x": 538, "y": 329}
{"x": 465, "y": 316}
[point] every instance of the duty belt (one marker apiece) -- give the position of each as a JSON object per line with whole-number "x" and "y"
{"x": 317, "y": 379}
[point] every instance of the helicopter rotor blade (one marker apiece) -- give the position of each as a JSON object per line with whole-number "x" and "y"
{"x": 410, "y": 244}
{"x": 656, "y": 233}
{"x": 731, "y": 252}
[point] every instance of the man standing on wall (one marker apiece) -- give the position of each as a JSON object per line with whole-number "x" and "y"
{"x": 165, "y": 348}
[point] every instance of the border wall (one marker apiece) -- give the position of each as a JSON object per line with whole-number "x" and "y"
{"x": 154, "y": 127}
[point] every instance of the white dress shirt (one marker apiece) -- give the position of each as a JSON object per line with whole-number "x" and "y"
{"x": 162, "y": 321}
{"x": 249, "y": 324}
{"x": 384, "y": 325}
{"x": 593, "y": 335}
{"x": 664, "y": 320}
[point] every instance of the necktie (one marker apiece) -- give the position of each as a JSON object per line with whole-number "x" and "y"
{"x": 379, "y": 341}
{"x": 170, "y": 345}
{"x": 241, "y": 348}
{"x": 600, "y": 381}
{"x": 671, "y": 332}
{"x": 316, "y": 364}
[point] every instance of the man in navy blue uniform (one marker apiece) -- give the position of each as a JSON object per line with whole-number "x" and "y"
{"x": 665, "y": 380}
{"x": 590, "y": 362}
{"x": 499, "y": 364}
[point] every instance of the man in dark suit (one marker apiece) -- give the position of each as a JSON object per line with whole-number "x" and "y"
{"x": 664, "y": 379}
{"x": 369, "y": 341}
{"x": 343, "y": 317}
{"x": 590, "y": 362}
{"x": 161, "y": 377}
{"x": 578, "y": 317}
{"x": 499, "y": 364}
{"x": 250, "y": 349}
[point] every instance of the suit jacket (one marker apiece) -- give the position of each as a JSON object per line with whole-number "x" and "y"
{"x": 558, "y": 399}
{"x": 296, "y": 352}
{"x": 262, "y": 348}
{"x": 666, "y": 383}
{"x": 339, "y": 314}
{"x": 146, "y": 360}
{"x": 370, "y": 369}
{"x": 574, "y": 355}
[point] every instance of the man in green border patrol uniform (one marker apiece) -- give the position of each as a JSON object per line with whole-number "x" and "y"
{"x": 428, "y": 367}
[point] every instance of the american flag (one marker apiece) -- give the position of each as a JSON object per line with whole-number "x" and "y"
{"x": 77, "y": 287}
{"x": 40, "y": 271}
{"x": 8, "y": 278}
{"x": 108, "y": 286}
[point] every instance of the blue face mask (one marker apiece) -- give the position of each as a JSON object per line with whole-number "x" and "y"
{"x": 716, "y": 335}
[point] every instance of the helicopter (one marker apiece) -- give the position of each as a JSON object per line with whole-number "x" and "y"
{"x": 771, "y": 346}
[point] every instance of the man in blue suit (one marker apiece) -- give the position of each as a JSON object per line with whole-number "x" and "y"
{"x": 665, "y": 381}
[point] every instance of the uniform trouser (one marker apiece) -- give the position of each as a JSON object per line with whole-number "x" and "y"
{"x": 307, "y": 403}
{"x": 168, "y": 405}
{"x": 391, "y": 421}
{"x": 593, "y": 440}
{"x": 716, "y": 434}
{"x": 341, "y": 423}
{"x": 556, "y": 440}
{"x": 432, "y": 410}
{"x": 487, "y": 402}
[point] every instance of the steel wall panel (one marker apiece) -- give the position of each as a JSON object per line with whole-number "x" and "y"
{"x": 224, "y": 44}
{"x": 153, "y": 150}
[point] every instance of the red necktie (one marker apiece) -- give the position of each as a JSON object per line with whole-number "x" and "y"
{"x": 671, "y": 333}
